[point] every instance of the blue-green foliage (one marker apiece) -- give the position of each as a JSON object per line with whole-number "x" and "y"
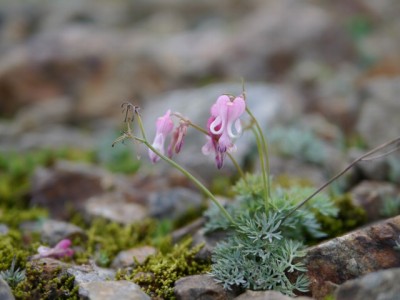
{"x": 297, "y": 142}
{"x": 262, "y": 248}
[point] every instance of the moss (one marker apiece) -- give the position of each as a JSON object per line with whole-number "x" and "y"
{"x": 13, "y": 244}
{"x": 106, "y": 239}
{"x": 13, "y": 217}
{"x": 46, "y": 283}
{"x": 349, "y": 217}
{"x": 159, "y": 272}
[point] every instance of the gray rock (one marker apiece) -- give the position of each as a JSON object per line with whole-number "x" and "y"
{"x": 109, "y": 290}
{"x": 200, "y": 287}
{"x": 53, "y": 231}
{"x": 266, "y": 295}
{"x": 174, "y": 203}
{"x": 379, "y": 199}
{"x": 189, "y": 230}
{"x": 126, "y": 258}
{"x": 115, "y": 207}
{"x": 5, "y": 290}
{"x": 377, "y": 285}
{"x": 90, "y": 273}
{"x": 3, "y": 229}
{"x": 210, "y": 240}
{"x": 381, "y": 104}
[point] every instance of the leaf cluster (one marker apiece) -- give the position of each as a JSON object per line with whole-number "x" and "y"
{"x": 264, "y": 248}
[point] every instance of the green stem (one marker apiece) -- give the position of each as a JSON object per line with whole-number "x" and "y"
{"x": 264, "y": 152}
{"x": 184, "y": 172}
{"x": 263, "y": 171}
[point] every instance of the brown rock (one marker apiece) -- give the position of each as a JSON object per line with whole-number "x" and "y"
{"x": 200, "y": 287}
{"x": 352, "y": 255}
{"x": 67, "y": 185}
{"x": 372, "y": 196}
{"x": 126, "y": 258}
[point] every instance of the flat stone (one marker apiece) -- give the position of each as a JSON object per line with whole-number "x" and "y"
{"x": 90, "y": 273}
{"x": 352, "y": 255}
{"x": 174, "y": 202}
{"x": 200, "y": 287}
{"x": 266, "y": 295}
{"x": 115, "y": 207}
{"x": 377, "y": 285}
{"x": 126, "y": 258}
{"x": 111, "y": 290}
{"x": 5, "y": 290}
{"x": 53, "y": 231}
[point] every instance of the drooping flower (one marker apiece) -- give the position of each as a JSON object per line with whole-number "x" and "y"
{"x": 178, "y": 137}
{"x": 164, "y": 127}
{"x": 225, "y": 115}
{"x": 60, "y": 250}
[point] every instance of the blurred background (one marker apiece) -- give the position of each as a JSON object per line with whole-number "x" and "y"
{"x": 66, "y": 67}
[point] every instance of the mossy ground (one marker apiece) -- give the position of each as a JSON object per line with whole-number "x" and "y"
{"x": 104, "y": 240}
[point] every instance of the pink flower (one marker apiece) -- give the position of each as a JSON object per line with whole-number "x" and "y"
{"x": 164, "y": 126}
{"x": 225, "y": 114}
{"x": 62, "y": 249}
{"x": 177, "y": 138}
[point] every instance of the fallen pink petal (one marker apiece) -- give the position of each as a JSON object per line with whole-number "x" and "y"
{"x": 62, "y": 249}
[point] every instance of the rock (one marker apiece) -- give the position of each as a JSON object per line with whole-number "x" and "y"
{"x": 3, "y": 229}
{"x": 126, "y": 258}
{"x": 378, "y": 199}
{"x": 68, "y": 185}
{"x": 210, "y": 240}
{"x": 174, "y": 203}
{"x": 90, "y": 273}
{"x": 5, "y": 290}
{"x": 266, "y": 295}
{"x": 115, "y": 207}
{"x": 381, "y": 104}
{"x": 111, "y": 290}
{"x": 200, "y": 287}
{"x": 53, "y": 231}
{"x": 352, "y": 255}
{"x": 189, "y": 230}
{"x": 376, "y": 285}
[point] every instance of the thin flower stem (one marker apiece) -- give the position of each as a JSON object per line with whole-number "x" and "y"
{"x": 192, "y": 178}
{"x": 238, "y": 168}
{"x": 264, "y": 152}
{"x": 366, "y": 157}
{"x": 184, "y": 172}
{"x": 263, "y": 171}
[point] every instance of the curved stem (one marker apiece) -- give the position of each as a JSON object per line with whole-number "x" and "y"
{"x": 366, "y": 157}
{"x": 184, "y": 172}
{"x": 192, "y": 178}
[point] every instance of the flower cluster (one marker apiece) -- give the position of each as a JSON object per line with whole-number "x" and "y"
{"x": 223, "y": 127}
{"x": 164, "y": 127}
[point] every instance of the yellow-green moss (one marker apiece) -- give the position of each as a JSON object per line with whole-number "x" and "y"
{"x": 349, "y": 217}
{"x": 13, "y": 244}
{"x": 159, "y": 272}
{"x": 106, "y": 239}
{"x": 44, "y": 283}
